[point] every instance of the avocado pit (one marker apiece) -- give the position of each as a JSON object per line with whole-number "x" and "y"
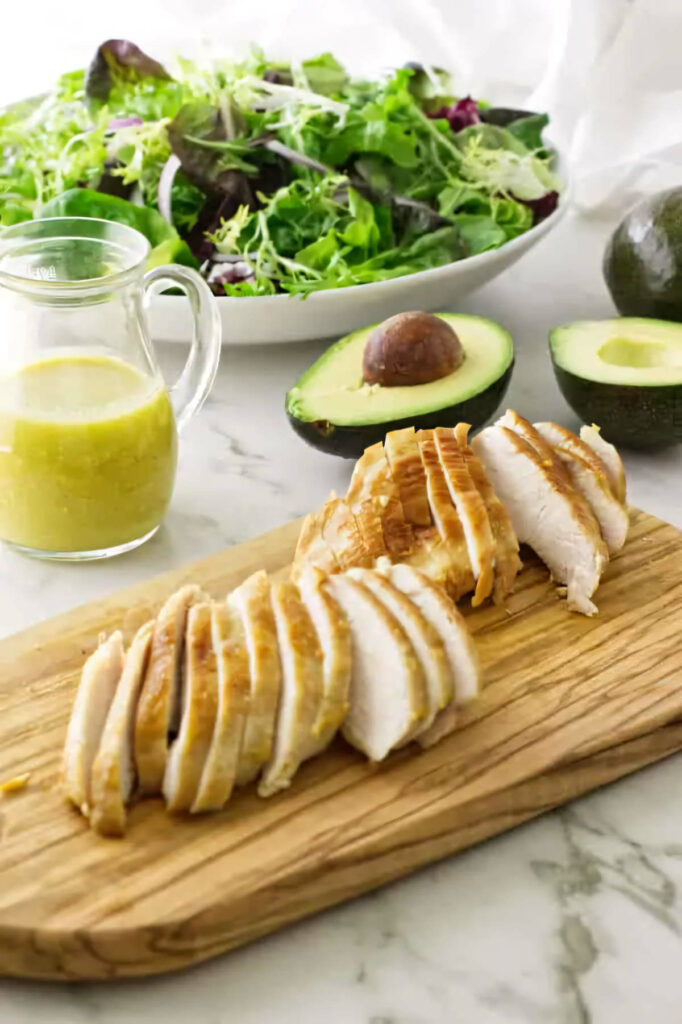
{"x": 409, "y": 349}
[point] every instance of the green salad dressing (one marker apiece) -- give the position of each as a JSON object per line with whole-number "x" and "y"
{"x": 88, "y": 453}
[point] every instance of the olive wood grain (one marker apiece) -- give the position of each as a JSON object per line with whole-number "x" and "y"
{"x": 569, "y": 704}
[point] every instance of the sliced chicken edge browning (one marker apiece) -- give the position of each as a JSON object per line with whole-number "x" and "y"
{"x": 404, "y": 459}
{"x": 589, "y": 476}
{"x": 113, "y": 770}
{"x": 312, "y": 548}
{"x": 372, "y": 478}
{"x": 234, "y": 700}
{"x": 159, "y": 708}
{"x": 472, "y": 512}
{"x": 188, "y": 752}
{"x": 341, "y": 533}
{"x": 252, "y": 602}
{"x": 507, "y": 561}
{"x": 373, "y": 693}
{"x": 99, "y": 679}
{"x": 591, "y": 436}
{"x": 333, "y": 634}
{"x": 301, "y": 689}
{"x": 511, "y": 461}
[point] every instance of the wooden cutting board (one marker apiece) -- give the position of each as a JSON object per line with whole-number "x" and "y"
{"x": 569, "y": 704}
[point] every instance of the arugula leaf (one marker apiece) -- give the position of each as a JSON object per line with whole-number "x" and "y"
{"x": 529, "y": 130}
{"x": 324, "y": 74}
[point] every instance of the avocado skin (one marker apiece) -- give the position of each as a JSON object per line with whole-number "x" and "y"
{"x": 630, "y": 416}
{"x": 643, "y": 259}
{"x": 350, "y": 442}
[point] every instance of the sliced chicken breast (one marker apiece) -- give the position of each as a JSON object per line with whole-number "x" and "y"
{"x": 341, "y": 533}
{"x": 189, "y": 751}
{"x": 252, "y": 601}
{"x": 367, "y": 515}
{"x": 388, "y": 689}
{"x": 424, "y": 638}
{"x": 333, "y": 634}
{"x": 448, "y": 622}
{"x": 158, "y": 712}
{"x": 545, "y": 513}
{"x": 372, "y": 478}
{"x": 96, "y": 690}
{"x": 302, "y": 689}
{"x": 471, "y": 511}
{"x": 610, "y": 458}
{"x": 589, "y": 476}
{"x": 458, "y": 577}
{"x": 507, "y": 561}
{"x": 234, "y": 699}
{"x": 402, "y": 452}
{"x": 312, "y": 548}
{"x": 113, "y": 770}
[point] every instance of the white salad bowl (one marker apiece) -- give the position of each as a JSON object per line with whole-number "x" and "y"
{"x": 331, "y": 314}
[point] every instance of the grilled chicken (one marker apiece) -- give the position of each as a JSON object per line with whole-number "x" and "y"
{"x": 545, "y": 512}
{"x": 158, "y": 712}
{"x": 456, "y": 572}
{"x": 388, "y": 689}
{"x": 425, "y": 640}
{"x": 333, "y": 635}
{"x": 341, "y": 533}
{"x": 610, "y": 458}
{"x": 402, "y": 452}
{"x": 113, "y": 770}
{"x": 188, "y": 752}
{"x": 252, "y": 601}
{"x": 312, "y": 548}
{"x": 301, "y": 692}
{"x": 507, "y": 561}
{"x": 471, "y": 511}
{"x": 234, "y": 698}
{"x": 367, "y": 514}
{"x": 98, "y": 683}
{"x": 372, "y": 478}
{"x": 589, "y": 476}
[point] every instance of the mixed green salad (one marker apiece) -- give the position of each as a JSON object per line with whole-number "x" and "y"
{"x": 274, "y": 177}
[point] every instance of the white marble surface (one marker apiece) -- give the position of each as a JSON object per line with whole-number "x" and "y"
{"x": 573, "y": 919}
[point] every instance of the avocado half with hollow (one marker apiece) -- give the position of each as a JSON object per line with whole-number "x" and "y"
{"x": 333, "y": 409}
{"x": 624, "y": 375}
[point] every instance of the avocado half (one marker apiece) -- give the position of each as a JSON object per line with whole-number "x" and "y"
{"x": 332, "y": 409}
{"x": 643, "y": 258}
{"x": 624, "y": 375}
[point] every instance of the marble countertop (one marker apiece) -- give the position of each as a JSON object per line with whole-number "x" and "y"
{"x": 575, "y": 918}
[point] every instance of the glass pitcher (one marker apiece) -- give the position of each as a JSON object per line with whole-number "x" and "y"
{"x": 88, "y": 430}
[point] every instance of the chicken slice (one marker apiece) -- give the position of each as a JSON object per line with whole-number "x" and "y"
{"x": 424, "y": 638}
{"x": 507, "y": 561}
{"x": 458, "y": 577}
{"x": 341, "y": 533}
{"x": 372, "y": 478}
{"x": 402, "y": 452}
{"x": 589, "y": 476}
{"x": 471, "y": 511}
{"x": 301, "y": 692}
{"x": 252, "y": 601}
{"x": 188, "y": 752}
{"x": 96, "y": 690}
{"x": 449, "y": 623}
{"x": 367, "y": 515}
{"x": 113, "y": 770}
{"x": 312, "y": 548}
{"x": 234, "y": 698}
{"x": 158, "y": 712}
{"x": 545, "y": 513}
{"x": 388, "y": 689}
{"x": 333, "y": 634}
{"x": 615, "y": 470}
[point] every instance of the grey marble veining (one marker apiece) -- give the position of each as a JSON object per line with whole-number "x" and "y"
{"x": 575, "y": 918}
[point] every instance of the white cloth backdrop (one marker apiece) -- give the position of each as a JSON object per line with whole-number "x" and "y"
{"x": 608, "y": 71}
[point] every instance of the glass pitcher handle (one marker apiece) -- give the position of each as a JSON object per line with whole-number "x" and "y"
{"x": 189, "y": 393}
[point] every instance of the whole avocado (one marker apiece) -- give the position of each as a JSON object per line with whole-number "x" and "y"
{"x": 643, "y": 259}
